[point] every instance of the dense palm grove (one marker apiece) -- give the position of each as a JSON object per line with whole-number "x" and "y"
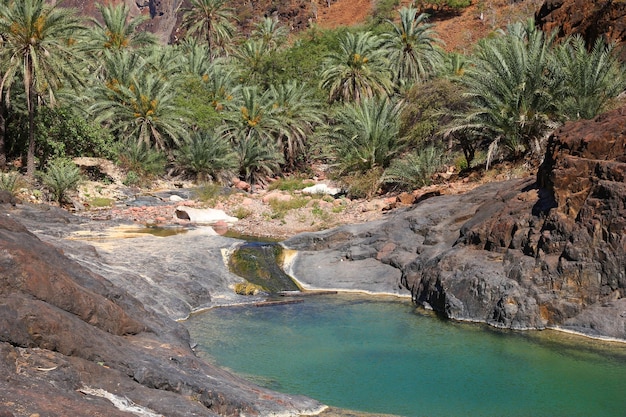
{"x": 382, "y": 104}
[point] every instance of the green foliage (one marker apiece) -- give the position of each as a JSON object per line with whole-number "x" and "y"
{"x": 9, "y": 181}
{"x": 142, "y": 161}
{"x": 251, "y": 129}
{"x": 384, "y": 10}
{"x": 412, "y": 46}
{"x": 414, "y": 170}
{"x": 288, "y": 184}
{"x": 296, "y": 113}
{"x": 591, "y": 78}
{"x": 511, "y": 92}
{"x": 210, "y": 21}
{"x": 242, "y": 212}
{"x": 281, "y": 207}
{"x": 144, "y": 109}
{"x": 366, "y": 135}
{"x": 118, "y": 30}
{"x": 60, "y": 176}
{"x": 61, "y": 133}
{"x": 442, "y": 5}
{"x": 428, "y": 108}
{"x": 206, "y": 156}
{"x": 39, "y": 52}
{"x": 359, "y": 68}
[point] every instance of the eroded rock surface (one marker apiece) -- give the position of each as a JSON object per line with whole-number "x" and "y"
{"x": 72, "y": 341}
{"x": 523, "y": 254}
{"x": 590, "y": 19}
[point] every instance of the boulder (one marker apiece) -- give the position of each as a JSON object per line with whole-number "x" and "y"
{"x": 203, "y": 216}
{"x": 321, "y": 188}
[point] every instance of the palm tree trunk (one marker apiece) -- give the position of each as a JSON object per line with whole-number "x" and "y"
{"x": 30, "y": 98}
{"x": 3, "y": 131}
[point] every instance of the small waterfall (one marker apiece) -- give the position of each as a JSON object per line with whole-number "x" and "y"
{"x": 258, "y": 263}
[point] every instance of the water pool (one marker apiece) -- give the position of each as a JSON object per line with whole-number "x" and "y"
{"x": 377, "y": 355}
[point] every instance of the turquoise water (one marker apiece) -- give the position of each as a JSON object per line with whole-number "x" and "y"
{"x": 379, "y": 356}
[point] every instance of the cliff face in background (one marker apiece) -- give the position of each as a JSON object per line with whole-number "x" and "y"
{"x": 165, "y": 15}
{"x": 590, "y": 19}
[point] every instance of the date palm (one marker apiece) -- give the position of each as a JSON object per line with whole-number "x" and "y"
{"x": 367, "y": 135}
{"x": 413, "y": 50}
{"x": 251, "y": 59}
{"x": 592, "y": 78}
{"x": 270, "y": 32}
{"x": 144, "y": 110}
{"x": 210, "y": 21}
{"x": 510, "y": 91}
{"x": 297, "y": 113}
{"x": 39, "y": 50}
{"x": 117, "y": 30}
{"x": 252, "y": 128}
{"x": 358, "y": 69}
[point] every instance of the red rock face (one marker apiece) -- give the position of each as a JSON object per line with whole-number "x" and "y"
{"x": 590, "y": 19}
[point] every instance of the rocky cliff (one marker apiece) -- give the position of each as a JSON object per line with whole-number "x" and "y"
{"x": 73, "y": 343}
{"x": 590, "y": 19}
{"x": 524, "y": 254}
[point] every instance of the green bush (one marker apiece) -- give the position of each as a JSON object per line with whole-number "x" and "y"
{"x": 61, "y": 133}
{"x": 206, "y": 156}
{"x": 280, "y": 207}
{"x": 288, "y": 184}
{"x": 60, "y": 176}
{"x": 9, "y": 182}
{"x": 144, "y": 162}
{"x": 414, "y": 170}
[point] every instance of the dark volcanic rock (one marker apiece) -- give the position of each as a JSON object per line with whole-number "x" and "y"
{"x": 71, "y": 343}
{"x": 523, "y": 254}
{"x": 590, "y": 19}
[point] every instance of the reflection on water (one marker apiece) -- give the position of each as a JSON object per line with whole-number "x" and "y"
{"x": 377, "y": 355}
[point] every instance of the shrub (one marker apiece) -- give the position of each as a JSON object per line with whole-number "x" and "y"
{"x": 9, "y": 182}
{"x": 363, "y": 185}
{"x": 60, "y": 176}
{"x": 280, "y": 207}
{"x": 242, "y": 212}
{"x": 288, "y": 184}
{"x": 414, "y": 170}
{"x": 144, "y": 162}
{"x": 206, "y": 156}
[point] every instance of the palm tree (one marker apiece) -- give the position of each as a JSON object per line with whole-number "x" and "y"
{"x": 591, "y": 78}
{"x": 39, "y": 49}
{"x": 206, "y": 155}
{"x": 510, "y": 91}
{"x": 367, "y": 135}
{"x": 118, "y": 31}
{"x": 412, "y": 48}
{"x": 251, "y": 59}
{"x": 297, "y": 113}
{"x": 251, "y": 128}
{"x": 359, "y": 69}
{"x": 144, "y": 110}
{"x": 270, "y": 32}
{"x": 210, "y": 20}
